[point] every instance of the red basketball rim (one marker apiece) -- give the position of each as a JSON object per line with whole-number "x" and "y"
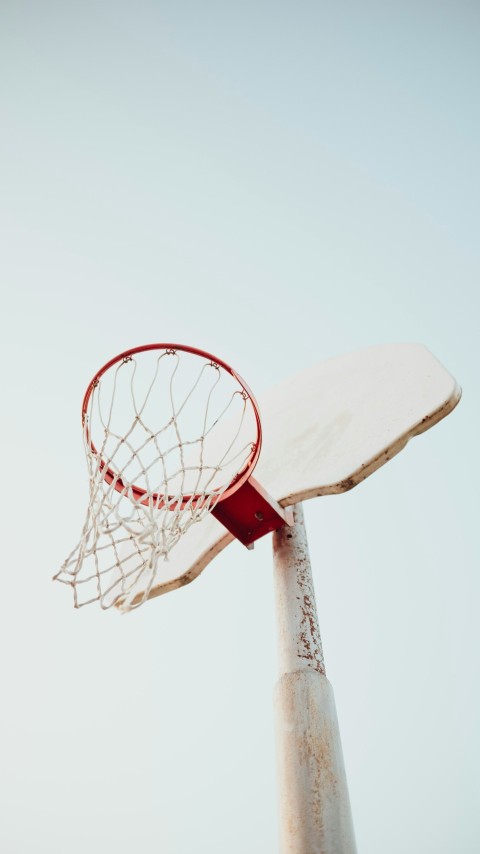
{"x": 159, "y": 500}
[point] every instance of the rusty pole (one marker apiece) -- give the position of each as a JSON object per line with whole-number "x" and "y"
{"x": 315, "y": 816}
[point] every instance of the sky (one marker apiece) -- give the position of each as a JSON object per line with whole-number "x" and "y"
{"x": 276, "y": 183}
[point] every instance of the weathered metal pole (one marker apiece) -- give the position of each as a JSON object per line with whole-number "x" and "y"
{"x": 315, "y": 816}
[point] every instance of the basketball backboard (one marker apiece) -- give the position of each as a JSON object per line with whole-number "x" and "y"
{"x": 327, "y": 429}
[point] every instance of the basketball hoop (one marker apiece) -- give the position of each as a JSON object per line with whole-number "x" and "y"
{"x": 170, "y": 433}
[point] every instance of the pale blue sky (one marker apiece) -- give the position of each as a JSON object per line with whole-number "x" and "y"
{"x": 276, "y": 183}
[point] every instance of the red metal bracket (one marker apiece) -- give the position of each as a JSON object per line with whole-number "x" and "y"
{"x": 250, "y": 513}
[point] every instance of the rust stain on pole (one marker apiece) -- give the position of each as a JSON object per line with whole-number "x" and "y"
{"x": 299, "y": 635}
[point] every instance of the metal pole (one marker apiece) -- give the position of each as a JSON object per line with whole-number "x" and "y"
{"x": 315, "y": 816}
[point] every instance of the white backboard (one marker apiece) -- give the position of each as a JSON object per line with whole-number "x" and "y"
{"x": 327, "y": 429}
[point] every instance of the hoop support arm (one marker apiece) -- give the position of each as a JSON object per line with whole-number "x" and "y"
{"x": 251, "y": 512}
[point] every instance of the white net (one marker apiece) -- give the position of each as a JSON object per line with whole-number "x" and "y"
{"x": 166, "y": 433}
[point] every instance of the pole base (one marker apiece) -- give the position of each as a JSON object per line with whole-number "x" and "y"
{"x": 315, "y": 811}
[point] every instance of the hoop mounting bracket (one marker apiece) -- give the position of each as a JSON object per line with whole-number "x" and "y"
{"x": 251, "y": 513}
